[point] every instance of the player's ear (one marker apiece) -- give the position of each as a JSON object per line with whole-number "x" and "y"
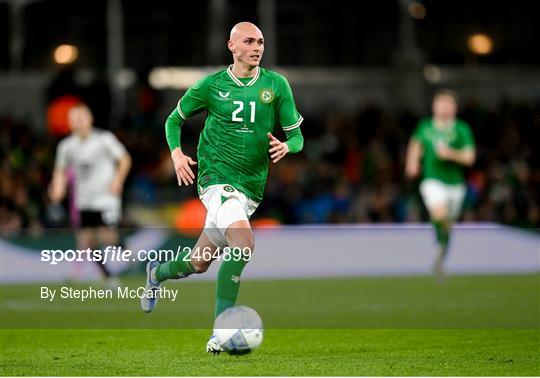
{"x": 230, "y": 45}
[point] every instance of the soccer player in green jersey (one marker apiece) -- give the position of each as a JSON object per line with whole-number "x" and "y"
{"x": 243, "y": 104}
{"x": 440, "y": 149}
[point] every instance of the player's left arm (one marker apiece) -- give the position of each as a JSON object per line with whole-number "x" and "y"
{"x": 123, "y": 163}
{"x": 465, "y": 154}
{"x": 122, "y": 170}
{"x": 290, "y": 120}
{"x": 57, "y": 188}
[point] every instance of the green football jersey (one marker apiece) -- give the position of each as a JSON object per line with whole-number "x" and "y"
{"x": 458, "y": 136}
{"x": 233, "y": 146}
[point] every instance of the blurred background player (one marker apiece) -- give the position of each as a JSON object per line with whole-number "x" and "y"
{"x": 244, "y": 103}
{"x": 101, "y": 164}
{"x": 440, "y": 149}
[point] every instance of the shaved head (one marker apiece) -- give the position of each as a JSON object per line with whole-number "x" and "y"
{"x": 246, "y": 44}
{"x": 244, "y": 28}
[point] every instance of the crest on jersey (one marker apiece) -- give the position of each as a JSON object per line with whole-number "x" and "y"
{"x": 266, "y": 95}
{"x": 224, "y": 94}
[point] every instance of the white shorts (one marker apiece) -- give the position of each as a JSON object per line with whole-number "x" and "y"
{"x": 436, "y": 193}
{"x": 225, "y": 205}
{"x": 108, "y": 213}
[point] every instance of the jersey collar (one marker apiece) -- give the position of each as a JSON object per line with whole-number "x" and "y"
{"x": 443, "y": 127}
{"x": 238, "y": 82}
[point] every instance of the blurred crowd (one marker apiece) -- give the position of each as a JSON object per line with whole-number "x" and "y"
{"x": 350, "y": 171}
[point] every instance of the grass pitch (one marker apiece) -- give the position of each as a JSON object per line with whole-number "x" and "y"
{"x": 472, "y": 325}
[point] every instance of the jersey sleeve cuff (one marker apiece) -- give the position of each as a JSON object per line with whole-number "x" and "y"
{"x": 293, "y": 126}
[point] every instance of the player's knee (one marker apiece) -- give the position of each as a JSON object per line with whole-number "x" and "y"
{"x": 248, "y": 245}
{"x": 243, "y": 239}
{"x": 439, "y": 213}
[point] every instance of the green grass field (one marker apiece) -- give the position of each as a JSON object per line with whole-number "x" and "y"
{"x": 472, "y": 325}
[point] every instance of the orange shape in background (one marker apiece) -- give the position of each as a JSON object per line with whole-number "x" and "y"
{"x": 189, "y": 218}
{"x": 265, "y": 223}
{"x": 57, "y": 111}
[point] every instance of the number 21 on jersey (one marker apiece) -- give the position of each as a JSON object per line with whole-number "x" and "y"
{"x": 240, "y": 107}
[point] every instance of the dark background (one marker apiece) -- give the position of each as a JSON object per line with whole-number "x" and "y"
{"x": 309, "y": 33}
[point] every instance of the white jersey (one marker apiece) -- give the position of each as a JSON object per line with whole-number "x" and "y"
{"x": 94, "y": 159}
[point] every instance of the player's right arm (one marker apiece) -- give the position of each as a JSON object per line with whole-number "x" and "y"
{"x": 57, "y": 189}
{"x": 193, "y": 102}
{"x": 414, "y": 154}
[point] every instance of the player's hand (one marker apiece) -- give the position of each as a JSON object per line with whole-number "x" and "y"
{"x": 278, "y": 149}
{"x": 412, "y": 170}
{"x": 182, "y": 163}
{"x": 443, "y": 152}
{"x": 56, "y": 193}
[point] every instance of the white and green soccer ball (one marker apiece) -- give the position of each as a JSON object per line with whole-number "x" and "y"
{"x": 239, "y": 330}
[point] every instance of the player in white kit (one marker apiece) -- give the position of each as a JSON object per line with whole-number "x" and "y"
{"x": 101, "y": 164}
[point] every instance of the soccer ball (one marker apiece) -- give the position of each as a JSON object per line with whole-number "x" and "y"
{"x": 239, "y": 330}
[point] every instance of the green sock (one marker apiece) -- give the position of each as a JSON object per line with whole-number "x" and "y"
{"x": 228, "y": 284}
{"x": 174, "y": 269}
{"x": 443, "y": 233}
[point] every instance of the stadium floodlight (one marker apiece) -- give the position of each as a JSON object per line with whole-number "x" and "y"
{"x": 417, "y": 10}
{"x": 66, "y": 54}
{"x": 432, "y": 73}
{"x": 480, "y": 44}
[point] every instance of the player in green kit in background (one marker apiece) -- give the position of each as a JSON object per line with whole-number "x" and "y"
{"x": 243, "y": 104}
{"x": 440, "y": 149}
